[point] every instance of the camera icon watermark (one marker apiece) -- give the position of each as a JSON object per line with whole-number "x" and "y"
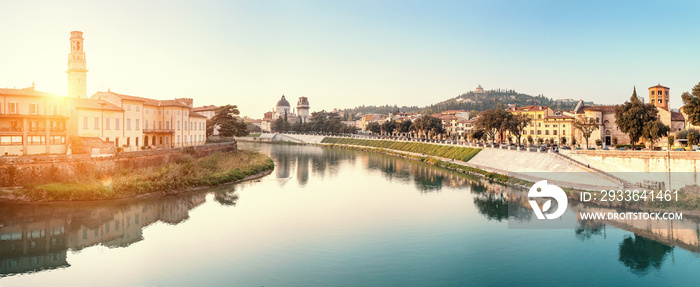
{"x": 543, "y": 190}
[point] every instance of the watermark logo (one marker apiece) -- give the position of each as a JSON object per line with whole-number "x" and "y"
{"x": 542, "y": 189}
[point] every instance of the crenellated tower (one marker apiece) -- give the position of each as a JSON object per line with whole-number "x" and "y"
{"x": 77, "y": 68}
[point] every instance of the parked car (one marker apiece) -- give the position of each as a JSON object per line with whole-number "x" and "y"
{"x": 679, "y": 149}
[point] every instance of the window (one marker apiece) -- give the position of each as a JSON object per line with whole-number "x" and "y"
{"x": 178, "y": 113}
{"x": 138, "y": 109}
{"x": 167, "y": 125}
{"x": 554, "y": 133}
{"x": 54, "y": 109}
{"x": 12, "y": 109}
{"x": 138, "y": 124}
{"x": 563, "y": 132}
{"x": 128, "y": 141}
{"x": 107, "y": 120}
{"x": 546, "y": 132}
{"x": 128, "y": 107}
{"x": 10, "y": 140}
{"x": 539, "y": 116}
{"x": 137, "y": 141}
{"x": 85, "y": 123}
{"x": 178, "y": 125}
{"x": 33, "y": 109}
{"x": 160, "y": 125}
{"x": 128, "y": 127}
{"x": 167, "y": 140}
{"x": 145, "y": 125}
{"x": 652, "y": 93}
{"x": 167, "y": 112}
{"x": 116, "y": 125}
{"x": 185, "y": 124}
{"x": 97, "y": 123}
{"x": 178, "y": 140}
{"x": 36, "y": 140}
{"x": 539, "y": 132}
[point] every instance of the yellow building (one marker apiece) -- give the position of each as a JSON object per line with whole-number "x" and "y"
{"x": 545, "y": 124}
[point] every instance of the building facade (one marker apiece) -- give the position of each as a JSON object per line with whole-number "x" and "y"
{"x": 33, "y": 122}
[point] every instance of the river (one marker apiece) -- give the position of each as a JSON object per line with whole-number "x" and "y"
{"x": 328, "y": 217}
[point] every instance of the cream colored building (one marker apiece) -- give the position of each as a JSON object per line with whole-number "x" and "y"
{"x": 33, "y": 122}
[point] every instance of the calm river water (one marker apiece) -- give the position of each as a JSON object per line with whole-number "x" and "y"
{"x": 328, "y": 217}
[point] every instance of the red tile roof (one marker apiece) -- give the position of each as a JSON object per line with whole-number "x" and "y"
{"x": 659, "y": 86}
{"x": 600, "y": 108}
{"x": 676, "y": 116}
{"x": 205, "y": 108}
{"x": 147, "y": 101}
{"x": 93, "y": 104}
{"x": 196, "y": 115}
{"x": 26, "y": 92}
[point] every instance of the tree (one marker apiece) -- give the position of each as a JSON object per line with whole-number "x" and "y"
{"x": 253, "y": 127}
{"x": 517, "y": 124}
{"x": 374, "y": 127}
{"x": 614, "y": 141}
{"x": 563, "y": 140}
{"x": 477, "y": 134}
{"x": 692, "y": 139}
{"x": 633, "y": 115}
{"x": 598, "y": 142}
{"x": 280, "y": 125}
{"x": 671, "y": 139}
{"x": 432, "y": 126}
{"x": 587, "y": 126}
{"x": 403, "y": 127}
{"x": 210, "y": 128}
{"x": 691, "y": 105}
{"x": 228, "y": 122}
{"x": 655, "y": 130}
{"x": 492, "y": 122}
{"x": 530, "y": 140}
{"x": 389, "y": 126}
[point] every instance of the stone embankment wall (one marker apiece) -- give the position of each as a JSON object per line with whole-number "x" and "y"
{"x": 640, "y": 166}
{"x": 22, "y": 170}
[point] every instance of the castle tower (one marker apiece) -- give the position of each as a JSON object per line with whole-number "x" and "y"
{"x": 658, "y": 95}
{"x": 303, "y": 109}
{"x": 77, "y": 69}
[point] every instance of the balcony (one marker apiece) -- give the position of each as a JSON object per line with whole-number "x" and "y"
{"x": 159, "y": 131}
{"x": 11, "y": 130}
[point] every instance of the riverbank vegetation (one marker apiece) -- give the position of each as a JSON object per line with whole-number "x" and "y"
{"x": 182, "y": 173}
{"x": 452, "y": 152}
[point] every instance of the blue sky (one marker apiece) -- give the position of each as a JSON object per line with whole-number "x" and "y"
{"x": 349, "y": 53}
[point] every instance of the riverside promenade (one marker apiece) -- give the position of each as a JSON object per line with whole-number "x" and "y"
{"x": 523, "y": 164}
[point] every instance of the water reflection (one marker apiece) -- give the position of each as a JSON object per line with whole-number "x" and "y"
{"x": 640, "y": 254}
{"x": 37, "y": 237}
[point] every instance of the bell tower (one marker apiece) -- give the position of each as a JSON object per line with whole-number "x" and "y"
{"x": 658, "y": 95}
{"x": 77, "y": 69}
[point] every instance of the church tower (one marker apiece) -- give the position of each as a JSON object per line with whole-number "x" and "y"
{"x": 77, "y": 69}
{"x": 658, "y": 95}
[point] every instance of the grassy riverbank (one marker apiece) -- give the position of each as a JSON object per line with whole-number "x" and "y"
{"x": 456, "y": 152}
{"x": 182, "y": 173}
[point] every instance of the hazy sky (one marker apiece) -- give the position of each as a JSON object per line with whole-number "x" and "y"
{"x": 349, "y": 53}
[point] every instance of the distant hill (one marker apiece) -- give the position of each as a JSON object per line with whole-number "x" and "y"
{"x": 474, "y": 102}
